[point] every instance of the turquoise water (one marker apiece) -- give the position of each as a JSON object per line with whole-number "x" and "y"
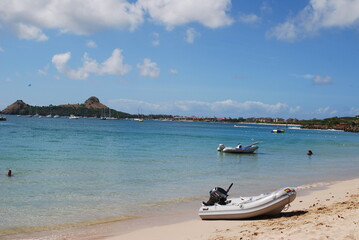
{"x": 71, "y": 171}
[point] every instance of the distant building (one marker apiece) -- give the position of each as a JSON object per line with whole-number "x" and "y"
{"x": 279, "y": 120}
{"x": 292, "y": 120}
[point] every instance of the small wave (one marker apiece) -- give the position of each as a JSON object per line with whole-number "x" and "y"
{"x": 239, "y": 126}
{"x": 313, "y": 185}
{"x": 297, "y": 128}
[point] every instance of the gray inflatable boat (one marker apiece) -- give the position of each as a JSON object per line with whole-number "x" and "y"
{"x": 247, "y": 149}
{"x": 218, "y": 207}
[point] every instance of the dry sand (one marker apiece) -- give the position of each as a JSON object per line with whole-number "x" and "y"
{"x": 330, "y": 212}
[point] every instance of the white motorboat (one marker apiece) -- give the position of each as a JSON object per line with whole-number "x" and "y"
{"x": 73, "y": 117}
{"x": 218, "y": 207}
{"x": 239, "y": 149}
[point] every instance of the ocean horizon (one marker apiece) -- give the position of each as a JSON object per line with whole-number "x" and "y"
{"x": 68, "y": 172}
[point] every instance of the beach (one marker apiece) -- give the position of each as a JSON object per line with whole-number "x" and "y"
{"x": 320, "y": 211}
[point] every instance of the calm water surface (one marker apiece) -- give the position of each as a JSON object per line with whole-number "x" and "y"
{"x": 71, "y": 171}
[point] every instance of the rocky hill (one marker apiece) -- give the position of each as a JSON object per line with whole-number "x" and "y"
{"x": 18, "y": 107}
{"x": 91, "y": 103}
{"x": 92, "y": 107}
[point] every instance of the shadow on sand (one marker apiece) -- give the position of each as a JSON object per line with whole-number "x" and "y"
{"x": 280, "y": 215}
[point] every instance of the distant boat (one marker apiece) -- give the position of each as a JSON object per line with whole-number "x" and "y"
{"x": 2, "y": 118}
{"x": 73, "y": 117}
{"x": 239, "y": 149}
{"x": 139, "y": 119}
{"x": 109, "y": 115}
{"x": 277, "y": 131}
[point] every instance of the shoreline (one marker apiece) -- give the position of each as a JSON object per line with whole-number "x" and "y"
{"x": 321, "y": 210}
{"x": 272, "y": 124}
{"x": 343, "y": 128}
{"x": 326, "y": 209}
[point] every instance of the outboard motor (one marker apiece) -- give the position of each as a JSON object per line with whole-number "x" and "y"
{"x": 220, "y": 147}
{"x": 217, "y": 195}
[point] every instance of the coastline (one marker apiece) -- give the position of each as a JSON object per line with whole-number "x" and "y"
{"x": 273, "y": 124}
{"x": 320, "y": 211}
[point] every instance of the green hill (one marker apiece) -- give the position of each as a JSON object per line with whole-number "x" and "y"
{"x": 92, "y": 107}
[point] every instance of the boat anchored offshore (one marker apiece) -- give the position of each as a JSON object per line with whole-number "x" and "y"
{"x": 218, "y": 207}
{"x": 277, "y": 131}
{"x": 239, "y": 149}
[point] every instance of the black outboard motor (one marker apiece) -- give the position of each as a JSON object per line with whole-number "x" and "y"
{"x": 217, "y": 195}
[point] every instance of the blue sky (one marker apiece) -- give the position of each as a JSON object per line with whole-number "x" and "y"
{"x": 239, "y": 58}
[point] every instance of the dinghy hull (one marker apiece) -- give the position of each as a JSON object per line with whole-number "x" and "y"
{"x": 249, "y": 207}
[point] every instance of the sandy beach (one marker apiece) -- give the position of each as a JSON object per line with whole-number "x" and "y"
{"x": 321, "y": 211}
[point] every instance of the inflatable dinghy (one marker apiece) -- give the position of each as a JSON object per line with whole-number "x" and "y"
{"x": 247, "y": 149}
{"x": 218, "y": 207}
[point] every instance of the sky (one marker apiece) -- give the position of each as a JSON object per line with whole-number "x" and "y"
{"x": 207, "y": 58}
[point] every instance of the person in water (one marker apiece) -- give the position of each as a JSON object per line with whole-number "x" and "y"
{"x": 9, "y": 173}
{"x": 309, "y": 152}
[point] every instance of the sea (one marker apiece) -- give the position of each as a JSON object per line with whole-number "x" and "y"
{"x": 77, "y": 171}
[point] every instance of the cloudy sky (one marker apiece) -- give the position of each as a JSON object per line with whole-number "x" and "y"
{"x": 223, "y": 58}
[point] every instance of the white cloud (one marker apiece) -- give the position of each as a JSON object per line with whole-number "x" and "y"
{"x": 248, "y": 18}
{"x": 171, "y": 13}
{"x": 173, "y": 71}
{"x": 30, "y": 32}
{"x": 317, "y": 15}
{"x": 60, "y": 61}
{"x": 322, "y": 80}
{"x": 76, "y": 16}
{"x": 285, "y": 32}
{"x": 265, "y": 8}
{"x": 354, "y": 111}
{"x": 191, "y": 35}
{"x": 43, "y": 71}
{"x": 91, "y": 44}
{"x": 149, "y": 68}
{"x": 131, "y": 106}
{"x": 325, "y": 111}
{"x": 317, "y": 79}
{"x": 156, "y": 39}
{"x": 309, "y": 76}
{"x": 113, "y": 65}
{"x": 28, "y": 18}
{"x": 229, "y": 108}
{"x": 253, "y": 107}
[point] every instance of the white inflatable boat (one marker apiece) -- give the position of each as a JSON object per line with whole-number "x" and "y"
{"x": 239, "y": 149}
{"x": 218, "y": 207}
